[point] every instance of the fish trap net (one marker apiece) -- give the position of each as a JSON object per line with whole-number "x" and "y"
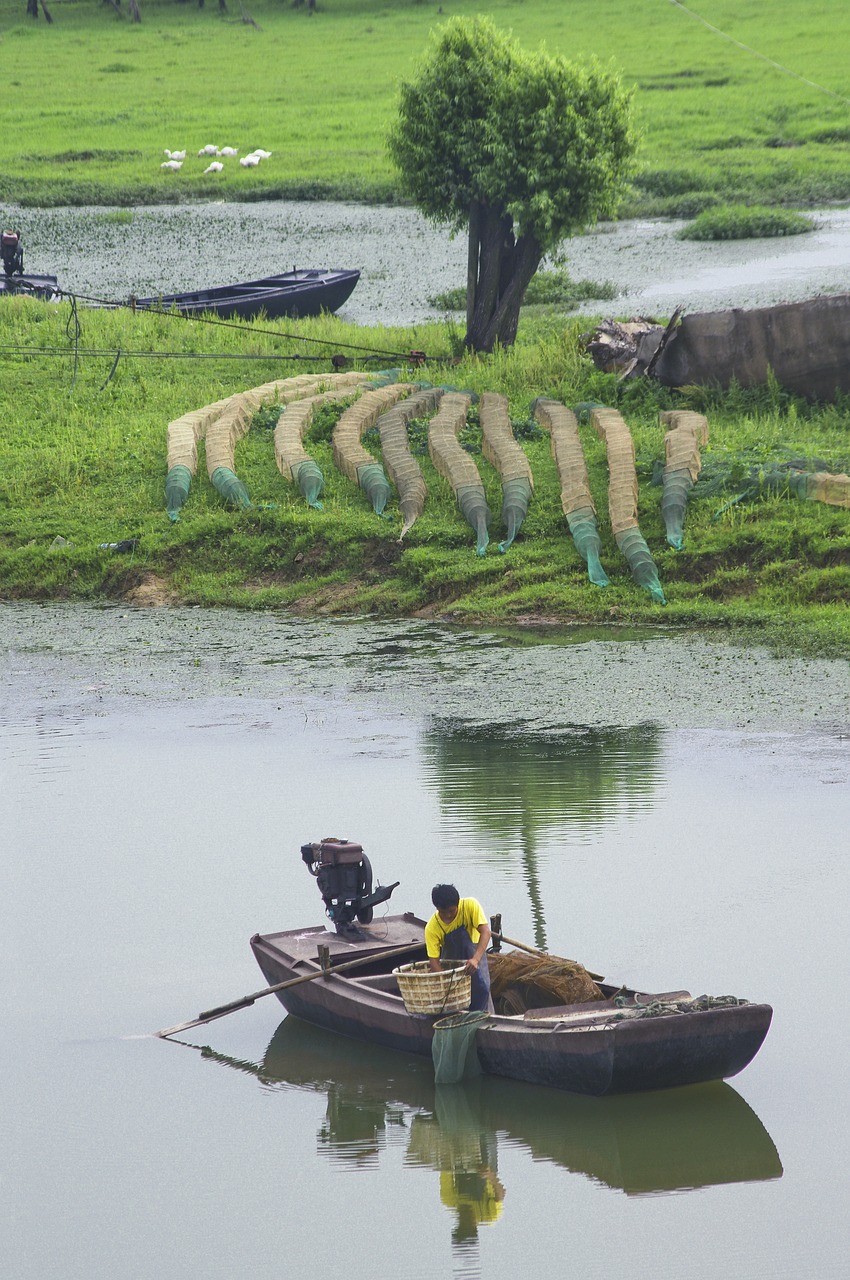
{"x": 521, "y": 982}
{"x": 425, "y": 990}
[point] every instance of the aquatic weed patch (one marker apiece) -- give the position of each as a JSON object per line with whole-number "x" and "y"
{"x": 745, "y": 222}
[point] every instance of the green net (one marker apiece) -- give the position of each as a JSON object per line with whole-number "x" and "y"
{"x": 585, "y": 534}
{"x": 230, "y": 487}
{"x": 674, "y": 504}
{"x": 310, "y": 481}
{"x": 450, "y": 1049}
{"x": 375, "y": 485}
{"x": 473, "y": 505}
{"x": 633, "y": 546}
{"x": 516, "y": 498}
{"x": 177, "y": 484}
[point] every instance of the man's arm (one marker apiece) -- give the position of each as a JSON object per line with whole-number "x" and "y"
{"x": 483, "y": 943}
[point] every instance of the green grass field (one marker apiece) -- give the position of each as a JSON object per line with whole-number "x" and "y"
{"x": 84, "y": 459}
{"x": 90, "y": 103}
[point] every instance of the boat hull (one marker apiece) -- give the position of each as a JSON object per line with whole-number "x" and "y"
{"x": 292, "y": 293}
{"x": 608, "y": 1056}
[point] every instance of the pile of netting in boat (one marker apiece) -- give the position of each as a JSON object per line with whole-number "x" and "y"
{"x": 662, "y": 1008}
{"x": 520, "y": 982}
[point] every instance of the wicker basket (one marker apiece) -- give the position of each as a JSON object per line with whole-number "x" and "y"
{"x": 426, "y": 991}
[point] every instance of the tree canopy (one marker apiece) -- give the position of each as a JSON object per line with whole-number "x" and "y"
{"x": 522, "y": 148}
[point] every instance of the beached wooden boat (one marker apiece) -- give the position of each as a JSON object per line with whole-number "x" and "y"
{"x": 597, "y": 1048}
{"x": 291, "y": 293}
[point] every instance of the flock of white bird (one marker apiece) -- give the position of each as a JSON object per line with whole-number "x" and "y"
{"x": 176, "y": 158}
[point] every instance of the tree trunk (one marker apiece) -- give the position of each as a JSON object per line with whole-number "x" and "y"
{"x": 135, "y": 16}
{"x": 32, "y": 8}
{"x": 505, "y": 265}
{"x": 46, "y": 12}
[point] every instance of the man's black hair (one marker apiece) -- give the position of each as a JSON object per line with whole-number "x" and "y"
{"x": 444, "y": 895}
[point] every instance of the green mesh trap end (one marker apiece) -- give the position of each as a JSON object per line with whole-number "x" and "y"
{"x": 516, "y": 497}
{"x": 637, "y": 553}
{"x": 584, "y": 408}
{"x": 585, "y": 534}
{"x": 375, "y": 485}
{"x": 674, "y": 504}
{"x": 177, "y": 484}
{"x": 230, "y": 487}
{"x": 473, "y": 505}
{"x": 310, "y": 481}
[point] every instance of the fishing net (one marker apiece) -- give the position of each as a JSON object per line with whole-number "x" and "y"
{"x": 585, "y": 535}
{"x": 674, "y": 504}
{"x": 450, "y": 1049}
{"x": 473, "y": 505}
{"x": 375, "y": 485}
{"x": 516, "y": 499}
{"x": 633, "y": 546}
{"x": 230, "y": 487}
{"x": 520, "y": 982}
{"x": 310, "y": 481}
{"x": 177, "y": 484}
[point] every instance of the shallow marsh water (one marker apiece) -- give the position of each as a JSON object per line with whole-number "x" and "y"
{"x": 404, "y": 261}
{"x": 669, "y": 809}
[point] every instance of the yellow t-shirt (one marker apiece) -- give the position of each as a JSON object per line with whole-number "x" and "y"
{"x": 470, "y": 914}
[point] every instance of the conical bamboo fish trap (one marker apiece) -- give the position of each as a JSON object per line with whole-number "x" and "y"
{"x": 455, "y": 465}
{"x": 576, "y": 499}
{"x": 349, "y": 454}
{"x": 504, "y": 453}
{"x": 402, "y": 467}
{"x": 623, "y": 499}
{"x": 687, "y": 431}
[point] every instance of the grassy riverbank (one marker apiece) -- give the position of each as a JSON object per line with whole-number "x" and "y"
{"x": 92, "y": 101}
{"x": 84, "y": 460}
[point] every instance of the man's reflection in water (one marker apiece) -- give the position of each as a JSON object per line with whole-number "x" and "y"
{"x": 455, "y": 1141}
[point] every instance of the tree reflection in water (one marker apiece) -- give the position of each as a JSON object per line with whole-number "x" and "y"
{"x": 512, "y": 790}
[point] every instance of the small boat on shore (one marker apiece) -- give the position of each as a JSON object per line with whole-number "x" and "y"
{"x": 625, "y": 1041}
{"x": 291, "y": 293}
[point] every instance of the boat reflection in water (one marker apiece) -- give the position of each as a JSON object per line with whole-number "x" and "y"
{"x": 649, "y": 1143}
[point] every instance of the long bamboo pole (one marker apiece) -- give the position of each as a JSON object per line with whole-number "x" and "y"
{"x": 222, "y": 1010}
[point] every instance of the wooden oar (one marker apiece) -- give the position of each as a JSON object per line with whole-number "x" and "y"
{"x": 222, "y": 1010}
{"x": 534, "y": 951}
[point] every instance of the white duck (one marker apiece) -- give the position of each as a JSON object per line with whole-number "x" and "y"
{"x": 175, "y": 155}
{"x": 228, "y": 151}
{"x": 215, "y": 167}
{"x": 172, "y": 165}
{"x": 208, "y": 150}
{"x": 249, "y": 162}
{"x": 263, "y": 155}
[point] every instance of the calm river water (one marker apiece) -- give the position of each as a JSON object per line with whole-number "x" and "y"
{"x": 671, "y": 811}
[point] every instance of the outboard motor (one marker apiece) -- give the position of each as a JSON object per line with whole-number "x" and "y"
{"x": 344, "y": 876}
{"x": 13, "y": 253}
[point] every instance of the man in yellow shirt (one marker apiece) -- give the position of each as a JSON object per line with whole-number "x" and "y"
{"x": 458, "y": 930}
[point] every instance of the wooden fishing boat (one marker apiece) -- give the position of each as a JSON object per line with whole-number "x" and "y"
{"x": 291, "y": 293}
{"x": 597, "y": 1048}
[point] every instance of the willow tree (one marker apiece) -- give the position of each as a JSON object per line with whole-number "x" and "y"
{"x": 523, "y": 149}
